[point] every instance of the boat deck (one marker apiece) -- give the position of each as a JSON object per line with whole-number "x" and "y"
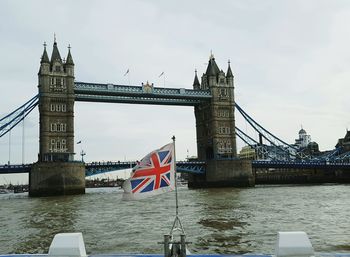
{"x": 193, "y": 255}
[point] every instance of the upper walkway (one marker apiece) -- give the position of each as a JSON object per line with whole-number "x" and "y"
{"x": 145, "y": 94}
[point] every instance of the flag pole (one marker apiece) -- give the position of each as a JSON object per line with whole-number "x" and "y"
{"x": 171, "y": 246}
{"x": 177, "y": 225}
{"x": 177, "y": 203}
{"x": 178, "y": 248}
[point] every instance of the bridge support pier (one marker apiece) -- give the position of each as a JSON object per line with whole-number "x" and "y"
{"x": 57, "y": 178}
{"x": 224, "y": 173}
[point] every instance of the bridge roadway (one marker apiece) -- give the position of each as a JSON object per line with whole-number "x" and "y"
{"x": 300, "y": 165}
{"x": 95, "y": 168}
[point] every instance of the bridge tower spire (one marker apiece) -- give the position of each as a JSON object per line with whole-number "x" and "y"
{"x": 216, "y": 139}
{"x": 196, "y": 84}
{"x": 56, "y": 143}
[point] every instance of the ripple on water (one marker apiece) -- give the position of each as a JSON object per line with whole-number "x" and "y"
{"x": 216, "y": 220}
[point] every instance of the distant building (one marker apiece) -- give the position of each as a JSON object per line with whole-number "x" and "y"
{"x": 303, "y": 140}
{"x": 247, "y": 153}
{"x": 304, "y": 144}
{"x": 312, "y": 149}
{"x": 344, "y": 143}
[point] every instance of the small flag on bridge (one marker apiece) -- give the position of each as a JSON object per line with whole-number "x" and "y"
{"x": 155, "y": 174}
{"x": 126, "y": 72}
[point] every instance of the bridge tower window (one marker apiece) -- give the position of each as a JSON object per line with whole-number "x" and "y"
{"x": 58, "y": 145}
{"x": 63, "y": 145}
{"x": 223, "y": 92}
{"x": 52, "y": 145}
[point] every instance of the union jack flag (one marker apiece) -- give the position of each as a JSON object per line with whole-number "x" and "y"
{"x": 153, "y": 175}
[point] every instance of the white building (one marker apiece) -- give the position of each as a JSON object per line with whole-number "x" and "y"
{"x": 303, "y": 140}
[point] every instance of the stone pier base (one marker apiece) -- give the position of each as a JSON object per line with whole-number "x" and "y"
{"x": 57, "y": 178}
{"x": 224, "y": 173}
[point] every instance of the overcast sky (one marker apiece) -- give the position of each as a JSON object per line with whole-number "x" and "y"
{"x": 289, "y": 59}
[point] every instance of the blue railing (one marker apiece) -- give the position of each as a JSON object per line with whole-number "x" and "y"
{"x": 95, "y": 168}
{"x": 300, "y": 165}
{"x": 96, "y": 92}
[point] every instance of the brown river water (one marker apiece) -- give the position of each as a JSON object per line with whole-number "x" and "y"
{"x": 223, "y": 221}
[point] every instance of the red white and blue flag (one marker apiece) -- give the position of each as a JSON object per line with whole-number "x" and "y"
{"x": 153, "y": 175}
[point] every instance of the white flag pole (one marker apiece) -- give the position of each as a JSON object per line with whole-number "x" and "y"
{"x": 178, "y": 248}
{"x": 175, "y": 181}
{"x": 177, "y": 223}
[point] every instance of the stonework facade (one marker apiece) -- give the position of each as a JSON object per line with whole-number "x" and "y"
{"x": 55, "y": 173}
{"x": 215, "y": 121}
{"x": 56, "y": 107}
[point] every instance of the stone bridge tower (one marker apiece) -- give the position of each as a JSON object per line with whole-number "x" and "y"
{"x": 216, "y": 139}
{"x": 56, "y": 172}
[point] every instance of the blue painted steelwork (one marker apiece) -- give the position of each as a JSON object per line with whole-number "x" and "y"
{"x": 11, "y": 120}
{"x": 95, "y": 92}
{"x": 278, "y": 143}
{"x": 173, "y": 96}
{"x": 191, "y": 167}
{"x": 261, "y": 150}
{"x": 301, "y": 165}
{"x": 15, "y": 168}
{"x": 95, "y": 168}
{"x": 329, "y": 156}
{"x": 344, "y": 157}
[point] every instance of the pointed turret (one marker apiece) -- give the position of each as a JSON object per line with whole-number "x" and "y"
{"x": 69, "y": 64}
{"x": 44, "y": 63}
{"x": 69, "y": 57}
{"x": 229, "y": 71}
{"x": 55, "y": 54}
{"x": 45, "y": 57}
{"x": 196, "y": 84}
{"x": 212, "y": 69}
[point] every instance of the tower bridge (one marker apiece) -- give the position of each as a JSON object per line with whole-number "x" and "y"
{"x": 56, "y": 172}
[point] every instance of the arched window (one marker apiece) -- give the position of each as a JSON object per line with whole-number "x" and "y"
{"x": 53, "y": 145}
{"x": 58, "y": 145}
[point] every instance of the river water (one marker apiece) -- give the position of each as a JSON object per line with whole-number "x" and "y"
{"x": 216, "y": 220}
